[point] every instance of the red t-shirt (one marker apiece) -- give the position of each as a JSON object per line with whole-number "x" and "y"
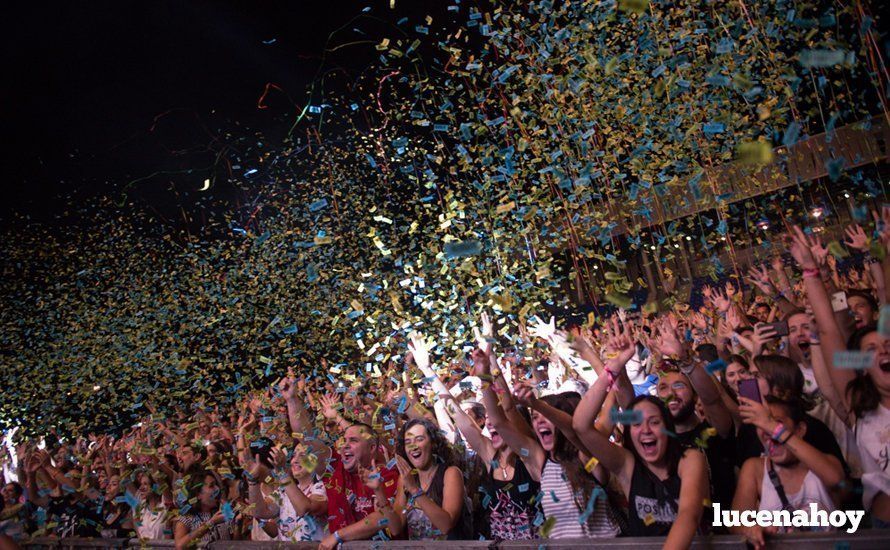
{"x": 349, "y": 500}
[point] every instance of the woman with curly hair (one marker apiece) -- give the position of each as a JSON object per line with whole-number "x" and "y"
{"x": 431, "y": 490}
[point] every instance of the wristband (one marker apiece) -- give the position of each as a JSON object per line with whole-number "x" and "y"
{"x": 777, "y": 433}
{"x": 338, "y": 538}
{"x": 790, "y": 435}
{"x": 811, "y": 273}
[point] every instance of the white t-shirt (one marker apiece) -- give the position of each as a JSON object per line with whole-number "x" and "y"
{"x": 151, "y": 524}
{"x": 873, "y": 439}
{"x": 294, "y": 528}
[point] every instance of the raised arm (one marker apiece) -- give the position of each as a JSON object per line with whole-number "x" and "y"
{"x": 470, "y": 430}
{"x": 617, "y": 460}
{"x": 829, "y": 332}
{"x": 824, "y": 379}
{"x": 303, "y": 504}
{"x": 526, "y": 447}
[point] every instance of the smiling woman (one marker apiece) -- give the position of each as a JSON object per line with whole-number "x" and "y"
{"x": 431, "y": 485}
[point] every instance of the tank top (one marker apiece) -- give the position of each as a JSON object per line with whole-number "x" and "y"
{"x": 812, "y": 490}
{"x": 419, "y": 525}
{"x": 512, "y": 505}
{"x": 559, "y": 503}
{"x": 653, "y": 503}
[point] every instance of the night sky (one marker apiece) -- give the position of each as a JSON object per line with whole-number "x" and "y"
{"x": 84, "y": 82}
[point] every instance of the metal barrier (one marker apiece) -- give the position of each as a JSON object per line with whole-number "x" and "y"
{"x": 866, "y": 539}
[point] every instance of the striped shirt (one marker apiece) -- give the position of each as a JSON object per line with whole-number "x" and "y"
{"x": 559, "y": 504}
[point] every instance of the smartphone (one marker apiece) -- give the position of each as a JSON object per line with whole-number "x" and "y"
{"x": 781, "y": 328}
{"x": 839, "y": 301}
{"x": 750, "y": 390}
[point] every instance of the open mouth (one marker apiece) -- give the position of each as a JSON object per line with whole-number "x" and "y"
{"x": 545, "y": 435}
{"x": 347, "y": 455}
{"x": 648, "y": 446}
{"x": 415, "y": 454}
{"x": 804, "y": 345}
{"x": 885, "y": 365}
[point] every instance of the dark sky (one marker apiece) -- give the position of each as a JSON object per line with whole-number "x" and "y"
{"x": 83, "y": 82}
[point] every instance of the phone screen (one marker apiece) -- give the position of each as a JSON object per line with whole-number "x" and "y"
{"x": 781, "y": 328}
{"x": 750, "y": 390}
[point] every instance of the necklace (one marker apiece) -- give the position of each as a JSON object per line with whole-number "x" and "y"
{"x": 503, "y": 466}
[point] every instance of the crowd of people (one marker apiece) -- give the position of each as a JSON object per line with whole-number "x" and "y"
{"x": 774, "y": 395}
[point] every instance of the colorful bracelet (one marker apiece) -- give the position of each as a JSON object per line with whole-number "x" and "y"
{"x": 338, "y": 538}
{"x": 777, "y": 433}
{"x": 811, "y": 273}
{"x": 790, "y": 435}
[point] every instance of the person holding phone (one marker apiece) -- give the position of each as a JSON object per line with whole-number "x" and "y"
{"x": 792, "y": 474}
{"x": 780, "y": 377}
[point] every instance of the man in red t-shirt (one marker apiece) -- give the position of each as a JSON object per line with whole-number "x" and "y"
{"x": 354, "y": 509}
{"x": 351, "y": 503}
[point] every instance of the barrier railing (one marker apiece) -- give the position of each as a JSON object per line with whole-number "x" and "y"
{"x": 863, "y": 540}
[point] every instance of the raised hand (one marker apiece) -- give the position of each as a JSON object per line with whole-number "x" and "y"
{"x": 524, "y": 394}
{"x": 408, "y": 475}
{"x": 484, "y": 336}
{"x": 718, "y": 298}
{"x": 540, "y": 329}
{"x": 799, "y": 247}
{"x": 619, "y": 346}
{"x": 481, "y": 366}
{"x": 371, "y": 476}
{"x": 819, "y": 251}
{"x": 279, "y": 458}
{"x": 668, "y": 341}
{"x": 583, "y": 343}
{"x": 759, "y": 277}
{"x": 328, "y": 405}
{"x": 252, "y": 465}
{"x": 856, "y": 237}
{"x": 287, "y": 386}
{"x": 421, "y": 353}
{"x": 763, "y": 333}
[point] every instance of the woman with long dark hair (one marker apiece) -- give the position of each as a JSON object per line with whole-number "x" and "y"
{"x": 574, "y": 501}
{"x": 507, "y": 487}
{"x": 665, "y": 485}
{"x": 431, "y": 486}
{"x": 201, "y": 518}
